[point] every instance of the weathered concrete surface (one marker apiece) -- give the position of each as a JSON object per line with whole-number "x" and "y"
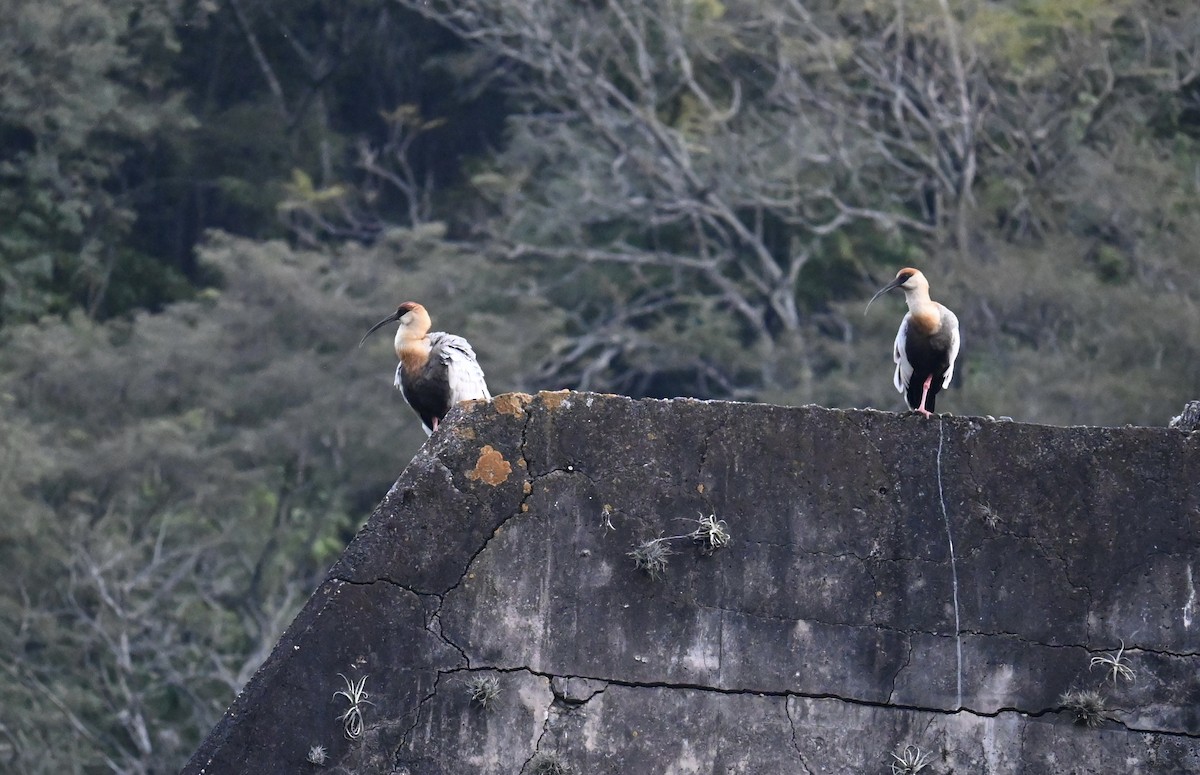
{"x": 890, "y": 581}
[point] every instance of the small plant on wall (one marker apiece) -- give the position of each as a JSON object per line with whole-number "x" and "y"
{"x": 484, "y": 690}
{"x": 317, "y": 755}
{"x": 910, "y": 760}
{"x": 653, "y": 555}
{"x": 1085, "y": 706}
{"x": 1116, "y": 666}
{"x": 356, "y": 694}
{"x": 549, "y": 764}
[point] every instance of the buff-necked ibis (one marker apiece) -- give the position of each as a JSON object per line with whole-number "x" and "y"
{"x": 437, "y": 370}
{"x": 926, "y": 344}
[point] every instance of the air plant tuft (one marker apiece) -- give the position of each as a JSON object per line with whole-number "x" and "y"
{"x": 356, "y": 694}
{"x": 484, "y": 689}
{"x": 910, "y": 760}
{"x": 1087, "y": 706}
{"x": 1117, "y": 668}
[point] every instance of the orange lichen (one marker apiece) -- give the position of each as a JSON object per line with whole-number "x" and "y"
{"x": 491, "y": 468}
{"x": 512, "y": 403}
{"x": 553, "y": 399}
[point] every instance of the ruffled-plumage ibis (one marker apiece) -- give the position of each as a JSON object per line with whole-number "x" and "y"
{"x": 926, "y": 344}
{"x": 437, "y": 370}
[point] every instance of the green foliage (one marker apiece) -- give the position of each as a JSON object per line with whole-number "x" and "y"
{"x": 656, "y": 198}
{"x": 714, "y": 195}
{"x": 174, "y": 486}
{"x": 1028, "y": 37}
{"x": 85, "y": 92}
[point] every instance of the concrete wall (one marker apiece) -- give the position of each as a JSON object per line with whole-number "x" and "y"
{"x": 890, "y": 581}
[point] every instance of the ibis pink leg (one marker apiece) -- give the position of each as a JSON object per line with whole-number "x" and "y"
{"x": 924, "y": 395}
{"x": 435, "y": 419}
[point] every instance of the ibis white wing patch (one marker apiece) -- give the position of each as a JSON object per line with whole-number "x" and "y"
{"x": 951, "y": 320}
{"x": 462, "y": 369}
{"x": 904, "y": 369}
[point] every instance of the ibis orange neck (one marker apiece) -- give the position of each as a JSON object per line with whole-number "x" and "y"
{"x": 412, "y": 350}
{"x": 927, "y": 320}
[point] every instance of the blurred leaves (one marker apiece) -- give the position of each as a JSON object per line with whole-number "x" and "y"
{"x": 204, "y": 205}
{"x": 174, "y": 486}
{"x": 706, "y": 196}
{"x": 84, "y": 88}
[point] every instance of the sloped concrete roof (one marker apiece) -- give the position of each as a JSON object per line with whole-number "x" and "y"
{"x": 889, "y": 581}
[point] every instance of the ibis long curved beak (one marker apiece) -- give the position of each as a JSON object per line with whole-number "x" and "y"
{"x": 895, "y": 283}
{"x": 392, "y": 318}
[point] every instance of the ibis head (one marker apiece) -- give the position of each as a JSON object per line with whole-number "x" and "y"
{"x": 413, "y": 319}
{"x": 908, "y": 280}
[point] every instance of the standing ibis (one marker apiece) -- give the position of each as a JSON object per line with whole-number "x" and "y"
{"x": 436, "y": 370}
{"x": 926, "y": 344}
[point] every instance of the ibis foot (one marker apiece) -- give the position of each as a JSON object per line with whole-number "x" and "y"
{"x": 925, "y": 396}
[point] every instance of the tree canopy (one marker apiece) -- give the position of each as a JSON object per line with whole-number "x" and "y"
{"x": 206, "y": 202}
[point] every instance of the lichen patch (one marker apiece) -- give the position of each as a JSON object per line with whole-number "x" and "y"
{"x": 555, "y": 399}
{"x": 491, "y": 468}
{"x": 512, "y": 403}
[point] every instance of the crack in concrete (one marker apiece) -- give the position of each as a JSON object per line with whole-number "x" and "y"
{"x": 704, "y": 446}
{"x": 896, "y": 676}
{"x": 849, "y": 700}
{"x": 573, "y": 701}
{"x": 1050, "y": 553}
{"x": 522, "y": 506}
{"x": 567, "y": 469}
{"x": 787, "y": 709}
{"x": 405, "y": 737}
{"x": 432, "y": 619}
{"x": 436, "y": 618}
{"x": 537, "y": 747}
{"x": 1090, "y": 650}
{"x": 1022, "y": 737}
{"x": 1156, "y": 652}
{"x": 785, "y": 695}
{"x": 448, "y": 475}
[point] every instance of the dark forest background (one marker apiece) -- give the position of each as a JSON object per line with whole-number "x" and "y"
{"x": 204, "y": 203}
